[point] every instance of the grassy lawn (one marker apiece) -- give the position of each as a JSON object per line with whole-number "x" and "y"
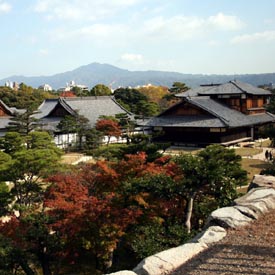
{"x": 263, "y": 143}
{"x": 253, "y": 167}
{"x": 69, "y": 158}
{"x": 245, "y": 151}
{"x": 176, "y": 150}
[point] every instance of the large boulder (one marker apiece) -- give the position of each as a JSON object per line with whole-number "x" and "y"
{"x": 246, "y": 208}
{"x": 257, "y": 201}
{"x": 211, "y": 235}
{"x": 167, "y": 261}
{"x": 262, "y": 181}
{"x": 228, "y": 217}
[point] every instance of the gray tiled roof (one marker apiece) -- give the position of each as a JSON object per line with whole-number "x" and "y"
{"x": 219, "y": 116}
{"x": 230, "y": 117}
{"x": 46, "y": 107}
{"x": 230, "y": 88}
{"x": 251, "y": 89}
{"x": 94, "y": 107}
{"x": 4, "y": 121}
{"x": 90, "y": 107}
{"x": 11, "y": 110}
{"x": 8, "y": 109}
{"x": 186, "y": 121}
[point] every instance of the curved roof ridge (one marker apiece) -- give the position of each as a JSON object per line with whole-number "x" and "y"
{"x": 66, "y": 106}
{"x": 10, "y": 111}
{"x": 249, "y": 89}
{"x": 123, "y": 108}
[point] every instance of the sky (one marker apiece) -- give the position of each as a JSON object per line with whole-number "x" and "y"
{"x": 45, "y": 37}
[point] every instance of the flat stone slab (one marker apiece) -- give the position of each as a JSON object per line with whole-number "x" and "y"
{"x": 167, "y": 261}
{"x": 211, "y": 235}
{"x": 228, "y": 217}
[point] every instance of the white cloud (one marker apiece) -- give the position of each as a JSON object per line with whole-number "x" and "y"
{"x": 94, "y": 32}
{"x": 225, "y": 22}
{"x": 259, "y": 36}
{"x": 187, "y": 27}
{"x": 179, "y": 27}
{"x": 81, "y": 10}
{"x": 130, "y": 57}
{"x": 153, "y": 31}
{"x": 5, "y": 7}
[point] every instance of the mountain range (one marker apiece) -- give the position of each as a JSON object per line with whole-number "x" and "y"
{"x": 114, "y": 77}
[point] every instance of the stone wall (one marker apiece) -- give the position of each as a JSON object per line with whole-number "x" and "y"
{"x": 259, "y": 200}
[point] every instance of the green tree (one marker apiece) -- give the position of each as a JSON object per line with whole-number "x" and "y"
{"x": 29, "y": 166}
{"x": 5, "y": 197}
{"x": 11, "y": 142}
{"x": 79, "y": 91}
{"x": 27, "y": 234}
{"x": 127, "y": 125}
{"x": 100, "y": 90}
{"x": 215, "y": 172}
{"x": 93, "y": 139}
{"x": 24, "y": 97}
{"x": 74, "y": 124}
{"x": 147, "y": 109}
{"x": 129, "y": 98}
{"x": 178, "y": 87}
{"x": 25, "y": 122}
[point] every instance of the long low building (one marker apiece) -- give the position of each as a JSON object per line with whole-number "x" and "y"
{"x": 52, "y": 111}
{"x": 217, "y": 113}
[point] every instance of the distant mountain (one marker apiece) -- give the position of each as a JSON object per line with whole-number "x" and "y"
{"x": 109, "y": 75}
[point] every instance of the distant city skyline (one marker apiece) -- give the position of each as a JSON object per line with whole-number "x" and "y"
{"x": 45, "y": 37}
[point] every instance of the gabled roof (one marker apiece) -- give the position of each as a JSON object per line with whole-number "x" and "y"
{"x": 8, "y": 110}
{"x": 219, "y": 115}
{"x": 94, "y": 107}
{"x": 230, "y": 117}
{"x": 230, "y": 88}
{"x": 46, "y": 107}
{"x": 90, "y": 107}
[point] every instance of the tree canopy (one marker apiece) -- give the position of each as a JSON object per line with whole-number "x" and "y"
{"x": 100, "y": 90}
{"x": 24, "y": 97}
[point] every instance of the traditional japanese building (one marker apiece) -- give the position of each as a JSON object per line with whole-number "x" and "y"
{"x": 6, "y": 113}
{"x": 217, "y": 113}
{"x": 52, "y": 111}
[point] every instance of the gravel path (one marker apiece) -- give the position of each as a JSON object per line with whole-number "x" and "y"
{"x": 247, "y": 250}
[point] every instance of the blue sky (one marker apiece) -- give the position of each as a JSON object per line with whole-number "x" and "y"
{"x": 44, "y": 37}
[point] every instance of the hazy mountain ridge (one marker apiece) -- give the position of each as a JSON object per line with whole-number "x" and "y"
{"x": 114, "y": 77}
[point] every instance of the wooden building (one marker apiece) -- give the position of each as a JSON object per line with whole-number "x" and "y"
{"x": 217, "y": 113}
{"x": 6, "y": 113}
{"x": 52, "y": 111}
